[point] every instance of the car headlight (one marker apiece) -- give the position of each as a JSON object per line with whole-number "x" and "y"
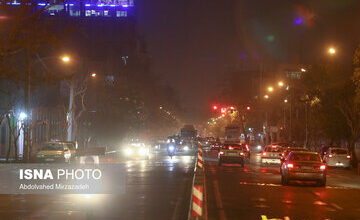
{"x": 186, "y": 148}
{"x": 129, "y": 151}
{"x": 142, "y": 151}
{"x": 171, "y": 148}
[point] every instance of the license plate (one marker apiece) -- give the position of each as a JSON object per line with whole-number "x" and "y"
{"x": 49, "y": 159}
{"x": 272, "y": 161}
{"x": 232, "y": 154}
{"x": 306, "y": 168}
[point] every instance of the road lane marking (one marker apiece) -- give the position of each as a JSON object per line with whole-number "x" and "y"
{"x": 219, "y": 204}
{"x": 336, "y": 206}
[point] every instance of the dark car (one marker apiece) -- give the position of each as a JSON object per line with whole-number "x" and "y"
{"x": 302, "y": 165}
{"x": 232, "y": 153}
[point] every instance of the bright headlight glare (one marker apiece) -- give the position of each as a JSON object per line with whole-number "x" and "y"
{"x": 186, "y": 148}
{"x": 142, "y": 151}
{"x": 171, "y": 148}
{"x": 128, "y": 151}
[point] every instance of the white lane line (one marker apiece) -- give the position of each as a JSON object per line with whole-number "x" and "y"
{"x": 336, "y": 206}
{"x": 219, "y": 204}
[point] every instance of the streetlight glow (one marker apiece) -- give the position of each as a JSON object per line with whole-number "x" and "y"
{"x": 285, "y": 100}
{"x": 270, "y": 89}
{"x": 332, "y": 51}
{"x": 303, "y": 70}
{"x": 65, "y": 59}
{"x": 93, "y": 75}
{"x": 266, "y": 96}
{"x": 281, "y": 84}
{"x": 22, "y": 116}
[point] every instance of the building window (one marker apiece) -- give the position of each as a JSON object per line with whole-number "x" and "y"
{"x": 121, "y": 13}
{"x": 87, "y": 13}
{"x": 106, "y": 13}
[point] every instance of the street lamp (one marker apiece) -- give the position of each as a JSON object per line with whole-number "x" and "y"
{"x": 303, "y": 70}
{"x": 22, "y": 116}
{"x": 281, "y": 84}
{"x": 266, "y": 96}
{"x": 285, "y": 100}
{"x": 65, "y": 59}
{"x": 93, "y": 75}
{"x": 270, "y": 89}
{"x": 332, "y": 51}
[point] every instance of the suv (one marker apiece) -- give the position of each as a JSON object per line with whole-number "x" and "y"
{"x": 271, "y": 155}
{"x": 232, "y": 153}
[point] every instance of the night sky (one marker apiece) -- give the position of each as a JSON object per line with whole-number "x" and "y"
{"x": 193, "y": 43}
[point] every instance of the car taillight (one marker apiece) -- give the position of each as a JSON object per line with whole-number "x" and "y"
{"x": 290, "y": 165}
{"x": 231, "y": 148}
{"x": 241, "y": 153}
{"x": 221, "y": 152}
{"x": 330, "y": 155}
{"x": 348, "y": 156}
{"x": 264, "y": 154}
{"x": 322, "y": 167}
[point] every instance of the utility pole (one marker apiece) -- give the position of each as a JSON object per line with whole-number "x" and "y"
{"x": 70, "y": 116}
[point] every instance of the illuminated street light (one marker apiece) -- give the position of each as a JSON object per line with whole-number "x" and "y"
{"x": 285, "y": 100}
{"x": 93, "y": 75}
{"x": 266, "y": 96}
{"x": 248, "y": 108}
{"x": 22, "y": 116}
{"x": 303, "y": 70}
{"x": 65, "y": 59}
{"x": 281, "y": 84}
{"x": 332, "y": 51}
{"x": 270, "y": 89}
{"x": 215, "y": 107}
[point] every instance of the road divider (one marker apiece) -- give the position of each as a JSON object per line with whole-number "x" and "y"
{"x": 198, "y": 192}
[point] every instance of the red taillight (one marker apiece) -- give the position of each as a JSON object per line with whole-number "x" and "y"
{"x": 330, "y": 155}
{"x": 322, "y": 167}
{"x": 290, "y": 165}
{"x": 231, "y": 148}
{"x": 264, "y": 154}
{"x": 221, "y": 152}
{"x": 241, "y": 153}
{"x": 348, "y": 156}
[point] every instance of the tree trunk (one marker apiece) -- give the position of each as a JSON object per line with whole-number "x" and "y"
{"x": 354, "y": 161}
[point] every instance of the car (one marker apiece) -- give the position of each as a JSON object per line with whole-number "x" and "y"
{"x": 337, "y": 157}
{"x": 305, "y": 166}
{"x": 232, "y": 153}
{"x": 54, "y": 152}
{"x": 271, "y": 155}
{"x": 215, "y": 146}
{"x": 137, "y": 150}
{"x": 287, "y": 150}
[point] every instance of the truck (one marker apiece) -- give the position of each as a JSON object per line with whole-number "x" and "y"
{"x": 233, "y": 134}
{"x": 188, "y": 132}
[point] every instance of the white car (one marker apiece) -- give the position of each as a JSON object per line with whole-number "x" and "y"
{"x": 271, "y": 155}
{"x": 337, "y": 157}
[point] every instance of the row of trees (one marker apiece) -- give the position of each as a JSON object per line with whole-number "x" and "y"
{"x": 123, "y": 100}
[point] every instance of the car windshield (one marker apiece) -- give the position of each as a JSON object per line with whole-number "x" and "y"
{"x": 56, "y": 147}
{"x": 273, "y": 149}
{"x": 305, "y": 157}
{"x": 339, "y": 151}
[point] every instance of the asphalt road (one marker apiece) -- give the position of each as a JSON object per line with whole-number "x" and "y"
{"x": 158, "y": 188}
{"x": 255, "y": 192}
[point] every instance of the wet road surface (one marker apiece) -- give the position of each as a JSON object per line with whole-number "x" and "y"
{"x": 256, "y": 192}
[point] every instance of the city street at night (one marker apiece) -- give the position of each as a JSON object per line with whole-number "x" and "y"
{"x": 159, "y": 188}
{"x": 255, "y": 191}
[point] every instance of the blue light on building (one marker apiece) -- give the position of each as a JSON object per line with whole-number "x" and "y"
{"x": 87, "y": 8}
